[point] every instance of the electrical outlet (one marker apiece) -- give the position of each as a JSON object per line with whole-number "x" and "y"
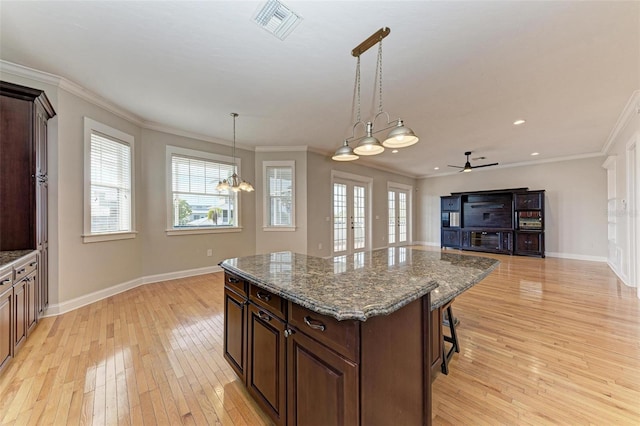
{"x": 319, "y": 246}
{"x": 209, "y": 252}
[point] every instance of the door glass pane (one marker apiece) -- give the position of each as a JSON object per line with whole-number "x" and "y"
{"x": 402, "y": 217}
{"x": 339, "y": 217}
{"x": 392, "y": 217}
{"x": 359, "y": 218}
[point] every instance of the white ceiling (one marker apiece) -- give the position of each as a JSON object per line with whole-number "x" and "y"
{"x": 458, "y": 73}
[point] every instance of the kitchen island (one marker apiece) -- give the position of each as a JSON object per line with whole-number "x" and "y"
{"x": 345, "y": 340}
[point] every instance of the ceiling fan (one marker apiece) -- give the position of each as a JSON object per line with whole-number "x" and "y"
{"x": 468, "y": 167}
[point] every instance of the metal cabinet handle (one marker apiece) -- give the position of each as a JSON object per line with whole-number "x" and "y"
{"x": 33, "y": 263}
{"x": 263, "y": 296}
{"x": 5, "y": 282}
{"x": 316, "y": 325}
{"x": 263, "y": 316}
{"x": 233, "y": 280}
{"x": 288, "y": 332}
{"x": 21, "y": 271}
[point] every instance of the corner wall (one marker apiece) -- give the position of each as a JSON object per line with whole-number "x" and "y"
{"x": 575, "y": 203}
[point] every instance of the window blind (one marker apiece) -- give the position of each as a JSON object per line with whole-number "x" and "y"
{"x": 280, "y": 195}
{"x": 110, "y": 184}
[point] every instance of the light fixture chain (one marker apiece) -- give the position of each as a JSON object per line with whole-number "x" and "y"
{"x": 357, "y": 90}
{"x": 380, "y": 75}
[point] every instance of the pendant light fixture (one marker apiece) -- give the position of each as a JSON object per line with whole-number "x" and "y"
{"x": 400, "y": 136}
{"x": 234, "y": 182}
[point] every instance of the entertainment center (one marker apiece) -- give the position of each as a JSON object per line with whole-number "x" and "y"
{"x": 509, "y": 221}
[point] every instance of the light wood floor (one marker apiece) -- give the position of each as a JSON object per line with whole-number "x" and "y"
{"x": 543, "y": 341}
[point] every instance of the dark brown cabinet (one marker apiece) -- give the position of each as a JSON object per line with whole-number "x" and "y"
{"x": 322, "y": 385}
{"x": 19, "y": 314}
{"x": 509, "y": 221}
{"x": 235, "y": 340}
{"x": 6, "y": 319}
{"x": 24, "y": 116}
{"x": 266, "y": 368}
{"x": 305, "y": 368}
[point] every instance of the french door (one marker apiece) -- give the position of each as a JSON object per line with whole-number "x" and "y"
{"x": 398, "y": 202}
{"x": 350, "y": 216}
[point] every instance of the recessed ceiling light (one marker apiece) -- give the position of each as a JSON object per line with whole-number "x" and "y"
{"x": 395, "y": 151}
{"x": 535, "y": 153}
{"x": 436, "y": 168}
{"x": 519, "y": 122}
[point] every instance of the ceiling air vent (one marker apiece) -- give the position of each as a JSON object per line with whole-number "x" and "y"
{"x": 277, "y": 19}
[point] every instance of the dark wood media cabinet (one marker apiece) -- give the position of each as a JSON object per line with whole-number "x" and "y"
{"x": 509, "y": 221}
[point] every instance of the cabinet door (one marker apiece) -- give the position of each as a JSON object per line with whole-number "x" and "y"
{"x": 450, "y": 238}
{"x": 529, "y": 242}
{"x": 31, "y": 309}
{"x": 42, "y": 286}
{"x": 528, "y": 201}
{"x": 266, "y": 378}
{"x": 450, "y": 203}
{"x": 6, "y": 342}
{"x": 235, "y": 345}
{"x": 319, "y": 377}
{"x": 436, "y": 341}
{"x": 19, "y": 314}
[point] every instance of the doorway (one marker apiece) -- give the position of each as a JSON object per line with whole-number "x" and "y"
{"x": 351, "y": 214}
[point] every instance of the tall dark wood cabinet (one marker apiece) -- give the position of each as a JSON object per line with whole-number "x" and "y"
{"x": 24, "y": 113}
{"x": 508, "y": 221}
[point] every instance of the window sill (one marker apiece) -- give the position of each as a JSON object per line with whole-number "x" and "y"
{"x": 190, "y": 231}
{"x": 97, "y": 238}
{"x": 279, "y": 228}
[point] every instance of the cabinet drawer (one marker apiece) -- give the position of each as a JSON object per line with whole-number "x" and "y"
{"x": 341, "y": 336}
{"x": 6, "y": 279}
{"x": 235, "y": 283}
{"x": 25, "y": 267}
{"x": 269, "y": 301}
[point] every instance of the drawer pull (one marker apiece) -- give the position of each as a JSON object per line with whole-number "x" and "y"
{"x": 21, "y": 271}
{"x": 263, "y": 296}
{"x": 316, "y": 325}
{"x": 5, "y": 282}
{"x": 263, "y": 316}
{"x": 33, "y": 264}
{"x": 233, "y": 280}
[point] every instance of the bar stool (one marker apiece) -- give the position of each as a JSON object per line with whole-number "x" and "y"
{"x": 450, "y": 322}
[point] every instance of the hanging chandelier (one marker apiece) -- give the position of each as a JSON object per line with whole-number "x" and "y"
{"x": 400, "y": 137}
{"x": 234, "y": 182}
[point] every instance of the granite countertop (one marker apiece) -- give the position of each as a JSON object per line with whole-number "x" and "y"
{"x": 7, "y": 257}
{"x": 365, "y": 284}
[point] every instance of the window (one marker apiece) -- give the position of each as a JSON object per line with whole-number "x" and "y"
{"x": 108, "y": 183}
{"x": 195, "y": 206}
{"x": 279, "y": 199}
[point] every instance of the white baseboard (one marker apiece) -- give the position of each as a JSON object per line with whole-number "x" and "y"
{"x": 622, "y": 277}
{"x": 576, "y": 256}
{"x": 78, "y": 302}
{"x": 426, "y": 243}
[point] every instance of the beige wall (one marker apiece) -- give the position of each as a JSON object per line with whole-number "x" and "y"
{"x": 86, "y": 268}
{"x": 270, "y": 241}
{"x": 575, "y": 198}
{"x": 163, "y": 253}
{"x": 319, "y": 203}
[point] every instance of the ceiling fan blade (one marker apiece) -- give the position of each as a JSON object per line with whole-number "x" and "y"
{"x": 457, "y": 167}
{"x": 484, "y": 165}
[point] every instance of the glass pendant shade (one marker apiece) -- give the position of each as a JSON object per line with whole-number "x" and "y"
{"x": 222, "y": 186}
{"x": 344, "y": 153}
{"x": 400, "y": 137}
{"x": 369, "y": 145}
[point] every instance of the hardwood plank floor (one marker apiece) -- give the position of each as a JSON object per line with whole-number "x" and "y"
{"x": 543, "y": 341}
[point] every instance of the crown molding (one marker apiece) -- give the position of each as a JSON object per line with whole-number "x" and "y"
{"x": 522, "y": 164}
{"x": 632, "y": 107}
{"x": 70, "y": 87}
{"x": 298, "y": 148}
{"x": 149, "y": 125}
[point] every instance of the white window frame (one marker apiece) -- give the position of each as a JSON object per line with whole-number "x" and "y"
{"x": 266, "y": 226}
{"x": 91, "y": 126}
{"x": 206, "y": 156}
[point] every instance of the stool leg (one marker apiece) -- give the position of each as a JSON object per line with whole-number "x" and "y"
{"x": 452, "y": 327}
